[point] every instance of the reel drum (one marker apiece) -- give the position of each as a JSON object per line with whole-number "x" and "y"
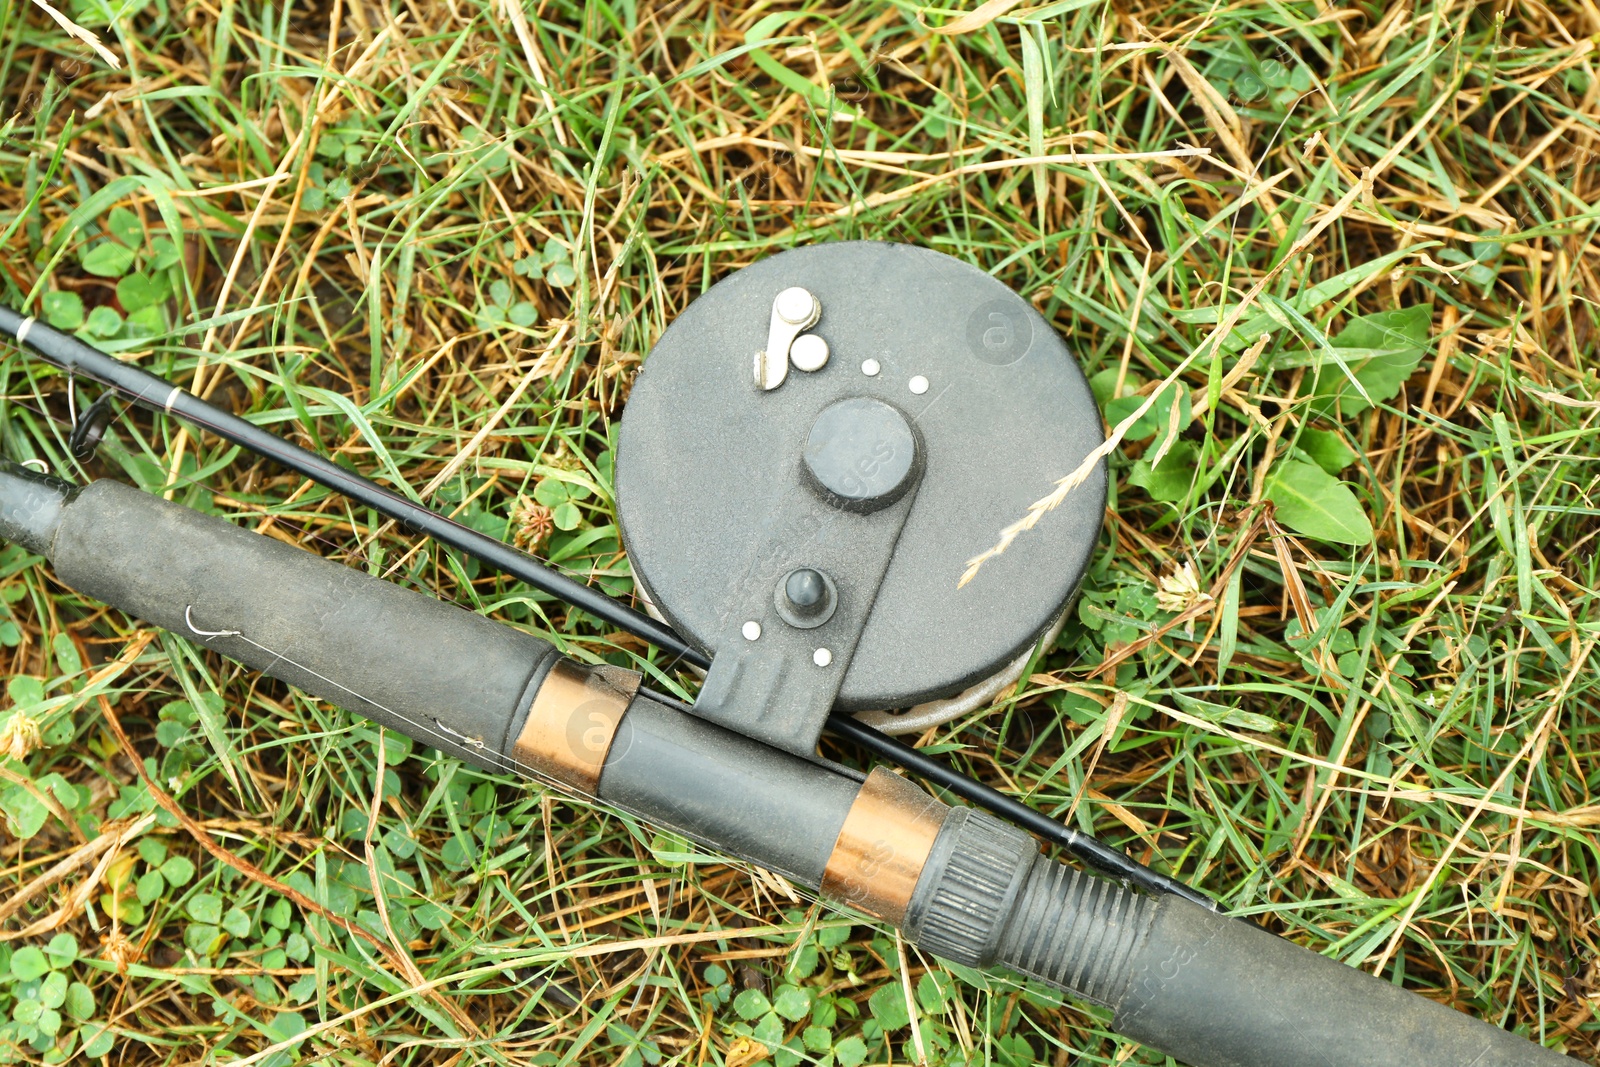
{"x": 812, "y": 453}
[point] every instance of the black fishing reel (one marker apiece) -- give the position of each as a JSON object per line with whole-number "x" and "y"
{"x": 813, "y": 455}
{"x": 815, "y": 450}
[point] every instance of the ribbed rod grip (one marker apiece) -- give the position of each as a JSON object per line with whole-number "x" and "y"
{"x": 1208, "y": 990}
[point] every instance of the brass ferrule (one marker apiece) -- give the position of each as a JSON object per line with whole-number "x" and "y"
{"x": 572, "y": 721}
{"x": 887, "y": 837}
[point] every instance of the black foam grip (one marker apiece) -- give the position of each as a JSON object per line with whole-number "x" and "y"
{"x": 724, "y": 790}
{"x": 442, "y": 675}
{"x": 1215, "y": 992}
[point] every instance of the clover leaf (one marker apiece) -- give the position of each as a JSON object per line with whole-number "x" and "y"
{"x": 561, "y": 498}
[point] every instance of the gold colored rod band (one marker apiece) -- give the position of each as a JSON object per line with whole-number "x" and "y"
{"x": 883, "y": 846}
{"x": 573, "y": 720}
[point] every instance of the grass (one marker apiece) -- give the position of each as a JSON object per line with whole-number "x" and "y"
{"x": 1370, "y": 719}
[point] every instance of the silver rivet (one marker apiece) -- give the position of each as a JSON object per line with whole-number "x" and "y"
{"x": 871, "y": 367}
{"x": 919, "y": 385}
{"x": 822, "y": 657}
{"x": 795, "y": 304}
{"x": 809, "y": 352}
{"x": 752, "y": 630}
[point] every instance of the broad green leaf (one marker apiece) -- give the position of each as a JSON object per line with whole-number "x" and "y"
{"x": 28, "y": 963}
{"x": 25, "y": 812}
{"x": 152, "y": 850}
{"x": 851, "y": 1052}
{"x": 53, "y": 990}
{"x": 165, "y": 255}
{"x": 932, "y": 991}
{"x": 62, "y": 309}
{"x": 70, "y": 797}
{"x": 67, "y": 660}
{"x": 1156, "y": 419}
{"x": 138, "y": 291}
{"x": 206, "y": 908}
{"x": 751, "y": 1004}
{"x": 103, "y": 321}
{"x": 25, "y": 691}
{"x": 1370, "y": 359}
{"x": 98, "y": 1040}
{"x": 80, "y": 1001}
{"x": 1313, "y": 502}
{"x": 297, "y": 947}
{"x": 888, "y": 1006}
{"x": 567, "y": 516}
{"x": 170, "y": 733}
{"x": 792, "y": 1003}
{"x": 279, "y": 913}
{"x": 146, "y": 322}
{"x": 551, "y": 492}
{"x": 149, "y": 886}
{"x": 1387, "y": 331}
{"x": 123, "y": 224}
{"x": 769, "y": 1031}
{"x": 203, "y": 938}
{"x": 1169, "y": 480}
{"x": 1328, "y": 449}
{"x": 108, "y": 260}
{"x": 62, "y": 950}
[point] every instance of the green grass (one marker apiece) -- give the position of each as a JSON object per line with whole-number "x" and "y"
{"x": 1386, "y": 749}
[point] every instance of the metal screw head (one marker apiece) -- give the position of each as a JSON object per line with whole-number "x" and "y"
{"x": 919, "y": 385}
{"x": 751, "y": 630}
{"x": 871, "y": 367}
{"x": 795, "y": 305}
{"x": 809, "y": 352}
{"x": 822, "y": 657}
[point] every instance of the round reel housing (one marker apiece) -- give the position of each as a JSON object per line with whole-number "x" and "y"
{"x": 727, "y": 483}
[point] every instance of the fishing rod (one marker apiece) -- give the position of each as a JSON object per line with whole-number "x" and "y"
{"x": 815, "y": 580}
{"x": 155, "y": 393}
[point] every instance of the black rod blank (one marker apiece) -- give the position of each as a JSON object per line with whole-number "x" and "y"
{"x": 161, "y": 396}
